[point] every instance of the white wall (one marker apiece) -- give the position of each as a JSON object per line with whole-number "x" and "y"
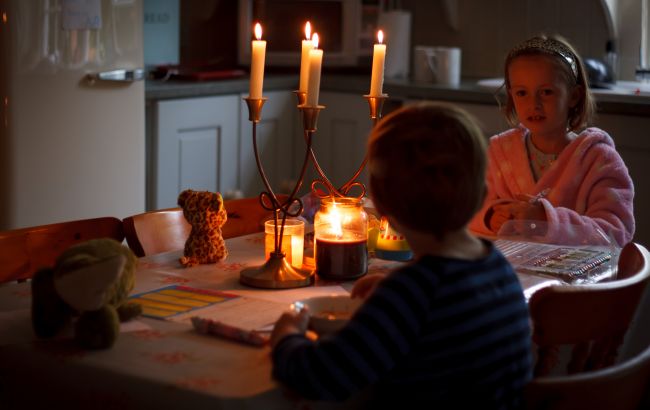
{"x": 486, "y": 30}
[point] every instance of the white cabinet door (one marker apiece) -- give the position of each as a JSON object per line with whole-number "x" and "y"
{"x": 630, "y": 135}
{"x": 489, "y": 116}
{"x": 341, "y": 137}
{"x": 277, "y": 137}
{"x": 196, "y": 146}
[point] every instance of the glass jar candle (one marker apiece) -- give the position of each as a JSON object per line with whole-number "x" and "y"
{"x": 341, "y": 239}
{"x": 293, "y": 239}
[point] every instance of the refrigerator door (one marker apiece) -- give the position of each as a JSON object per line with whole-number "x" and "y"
{"x": 72, "y": 137}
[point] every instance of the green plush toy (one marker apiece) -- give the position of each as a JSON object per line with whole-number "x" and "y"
{"x": 90, "y": 284}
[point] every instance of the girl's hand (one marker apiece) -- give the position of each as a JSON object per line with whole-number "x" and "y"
{"x": 528, "y": 208}
{"x": 525, "y": 208}
{"x": 289, "y": 323}
{"x": 366, "y": 285}
{"x": 501, "y": 213}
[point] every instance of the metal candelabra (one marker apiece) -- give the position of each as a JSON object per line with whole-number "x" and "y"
{"x": 376, "y": 104}
{"x": 277, "y": 272}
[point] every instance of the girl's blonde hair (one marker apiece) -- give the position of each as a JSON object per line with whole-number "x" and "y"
{"x": 569, "y": 63}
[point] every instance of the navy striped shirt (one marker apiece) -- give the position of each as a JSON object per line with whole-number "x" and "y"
{"x": 442, "y": 332}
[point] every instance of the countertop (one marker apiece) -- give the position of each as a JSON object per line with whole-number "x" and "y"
{"x": 621, "y": 101}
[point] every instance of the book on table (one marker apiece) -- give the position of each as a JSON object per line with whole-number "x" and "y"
{"x": 569, "y": 264}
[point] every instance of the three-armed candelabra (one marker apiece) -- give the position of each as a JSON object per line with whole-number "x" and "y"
{"x": 277, "y": 272}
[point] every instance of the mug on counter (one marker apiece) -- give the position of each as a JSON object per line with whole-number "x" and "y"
{"x": 437, "y": 65}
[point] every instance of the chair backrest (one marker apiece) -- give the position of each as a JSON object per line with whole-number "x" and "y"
{"x": 591, "y": 319}
{"x": 167, "y": 230}
{"x": 158, "y": 231}
{"x": 24, "y": 251}
{"x": 246, "y": 216}
{"x": 622, "y": 387}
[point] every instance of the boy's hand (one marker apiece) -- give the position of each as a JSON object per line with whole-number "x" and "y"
{"x": 289, "y": 323}
{"x": 366, "y": 285}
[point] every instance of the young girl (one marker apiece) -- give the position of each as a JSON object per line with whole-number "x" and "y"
{"x": 548, "y": 168}
{"x": 451, "y": 328}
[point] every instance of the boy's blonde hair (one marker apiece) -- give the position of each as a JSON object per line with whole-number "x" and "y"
{"x": 569, "y": 63}
{"x": 427, "y": 167}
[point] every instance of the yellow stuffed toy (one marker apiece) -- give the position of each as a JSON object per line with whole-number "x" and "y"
{"x": 206, "y": 214}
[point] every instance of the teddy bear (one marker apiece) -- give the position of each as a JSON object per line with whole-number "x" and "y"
{"x": 89, "y": 286}
{"x": 206, "y": 213}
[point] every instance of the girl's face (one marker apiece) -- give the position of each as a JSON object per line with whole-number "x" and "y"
{"x": 540, "y": 95}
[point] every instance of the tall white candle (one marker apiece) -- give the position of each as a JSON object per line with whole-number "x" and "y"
{"x": 315, "y": 62}
{"x": 258, "y": 52}
{"x": 307, "y": 45}
{"x": 378, "y": 58}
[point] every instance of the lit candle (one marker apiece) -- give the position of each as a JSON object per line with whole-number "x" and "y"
{"x": 257, "y": 63}
{"x": 378, "y": 57}
{"x": 293, "y": 240}
{"x": 313, "y": 84}
{"x": 307, "y": 45}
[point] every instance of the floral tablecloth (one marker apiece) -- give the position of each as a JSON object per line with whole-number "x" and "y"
{"x": 154, "y": 362}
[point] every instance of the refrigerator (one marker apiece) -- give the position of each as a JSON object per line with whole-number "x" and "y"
{"x": 72, "y": 130}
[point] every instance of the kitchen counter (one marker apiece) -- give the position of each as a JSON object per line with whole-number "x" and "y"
{"x": 469, "y": 91}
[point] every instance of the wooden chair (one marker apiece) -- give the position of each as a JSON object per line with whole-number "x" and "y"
{"x": 166, "y": 230}
{"x": 24, "y": 251}
{"x": 590, "y": 319}
{"x": 622, "y": 387}
{"x": 156, "y": 231}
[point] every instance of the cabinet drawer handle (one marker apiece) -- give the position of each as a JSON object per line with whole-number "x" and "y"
{"x": 121, "y": 75}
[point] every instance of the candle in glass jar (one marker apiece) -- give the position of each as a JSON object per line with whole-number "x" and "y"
{"x": 293, "y": 240}
{"x": 258, "y": 53}
{"x": 307, "y": 45}
{"x": 341, "y": 239}
{"x": 313, "y": 83}
{"x": 341, "y": 259}
{"x": 378, "y": 58}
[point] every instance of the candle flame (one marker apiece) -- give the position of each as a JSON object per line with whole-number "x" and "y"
{"x": 258, "y": 31}
{"x": 335, "y": 221}
{"x": 314, "y": 39}
{"x": 380, "y": 36}
{"x": 308, "y": 31}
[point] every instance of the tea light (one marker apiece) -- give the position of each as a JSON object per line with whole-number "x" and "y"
{"x": 293, "y": 240}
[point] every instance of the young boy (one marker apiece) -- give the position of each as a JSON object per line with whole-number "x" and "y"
{"x": 449, "y": 330}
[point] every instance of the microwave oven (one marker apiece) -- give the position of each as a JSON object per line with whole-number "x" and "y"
{"x": 345, "y": 29}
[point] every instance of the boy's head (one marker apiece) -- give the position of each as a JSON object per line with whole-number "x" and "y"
{"x": 568, "y": 63}
{"x": 427, "y": 167}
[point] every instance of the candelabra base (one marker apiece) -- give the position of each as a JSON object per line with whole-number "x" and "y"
{"x": 276, "y": 273}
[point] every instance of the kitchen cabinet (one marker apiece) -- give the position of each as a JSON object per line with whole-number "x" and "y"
{"x": 206, "y": 144}
{"x": 341, "y": 137}
{"x": 489, "y": 116}
{"x": 195, "y": 145}
{"x": 277, "y": 138}
{"x": 632, "y": 143}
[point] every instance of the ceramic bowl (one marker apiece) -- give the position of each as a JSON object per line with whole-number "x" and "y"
{"x": 327, "y": 314}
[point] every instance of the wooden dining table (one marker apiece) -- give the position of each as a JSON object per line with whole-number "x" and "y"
{"x": 161, "y": 363}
